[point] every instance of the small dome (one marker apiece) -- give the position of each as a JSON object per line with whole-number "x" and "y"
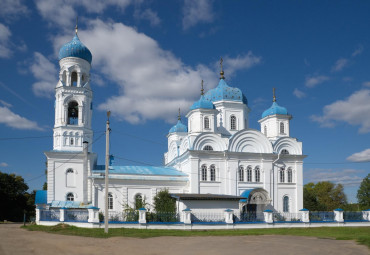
{"x": 275, "y": 109}
{"x": 75, "y": 48}
{"x": 224, "y": 92}
{"x": 202, "y": 104}
{"x": 179, "y": 127}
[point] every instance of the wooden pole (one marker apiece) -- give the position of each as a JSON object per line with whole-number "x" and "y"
{"x": 106, "y": 214}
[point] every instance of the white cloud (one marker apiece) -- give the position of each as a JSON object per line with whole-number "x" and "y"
{"x": 152, "y": 82}
{"x": 3, "y": 164}
{"x": 312, "y": 81}
{"x": 347, "y": 177}
{"x": 232, "y": 65}
{"x": 46, "y": 74}
{"x": 362, "y": 156}
{"x": 358, "y": 51}
{"x": 12, "y": 8}
{"x": 5, "y": 34}
{"x": 197, "y": 11}
{"x": 340, "y": 64}
{"x": 354, "y": 110}
{"x": 14, "y": 120}
{"x": 147, "y": 14}
{"x": 366, "y": 83}
{"x": 63, "y": 12}
{"x": 298, "y": 93}
{"x": 5, "y": 103}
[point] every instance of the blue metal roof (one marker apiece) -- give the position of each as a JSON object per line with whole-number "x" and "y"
{"x": 224, "y": 92}
{"x": 75, "y": 48}
{"x": 275, "y": 109}
{"x": 202, "y": 104}
{"x": 68, "y": 204}
{"x": 141, "y": 170}
{"x": 245, "y": 194}
{"x": 179, "y": 127}
{"x": 41, "y": 197}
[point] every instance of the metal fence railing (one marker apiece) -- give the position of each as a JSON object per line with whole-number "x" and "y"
{"x": 287, "y": 217}
{"x": 321, "y": 216}
{"x": 152, "y": 217}
{"x": 125, "y": 216}
{"x": 211, "y": 217}
{"x": 50, "y": 215}
{"x": 76, "y": 216}
{"x": 353, "y": 216}
{"x": 248, "y": 217}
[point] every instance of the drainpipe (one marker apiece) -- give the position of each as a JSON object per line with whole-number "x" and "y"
{"x": 85, "y": 173}
{"x": 273, "y": 179}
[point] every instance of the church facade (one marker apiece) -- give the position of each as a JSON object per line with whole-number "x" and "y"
{"x": 214, "y": 162}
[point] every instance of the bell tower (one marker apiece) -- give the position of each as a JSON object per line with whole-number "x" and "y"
{"x": 73, "y": 98}
{"x": 71, "y": 161}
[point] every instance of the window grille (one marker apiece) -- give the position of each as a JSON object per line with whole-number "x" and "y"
{"x": 204, "y": 172}
{"x": 286, "y": 204}
{"x": 282, "y": 131}
{"x": 249, "y": 174}
{"x": 206, "y": 123}
{"x": 110, "y": 201}
{"x": 241, "y": 173}
{"x": 282, "y": 174}
{"x": 208, "y": 148}
{"x": 258, "y": 174}
{"x": 70, "y": 197}
{"x": 290, "y": 175}
{"x": 233, "y": 123}
{"x": 213, "y": 173}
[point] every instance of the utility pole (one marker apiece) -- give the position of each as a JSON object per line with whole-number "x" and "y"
{"x": 106, "y": 214}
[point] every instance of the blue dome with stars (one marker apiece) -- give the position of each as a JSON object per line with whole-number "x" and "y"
{"x": 224, "y": 92}
{"x": 75, "y": 48}
{"x": 202, "y": 104}
{"x": 275, "y": 109}
{"x": 179, "y": 127}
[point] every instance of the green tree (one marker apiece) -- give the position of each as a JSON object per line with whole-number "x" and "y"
{"x": 163, "y": 202}
{"x": 13, "y": 197}
{"x": 363, "y": 193}
{"x": 323, "y": 196}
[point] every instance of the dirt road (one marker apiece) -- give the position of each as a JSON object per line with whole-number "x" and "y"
{"x": 14, "y": 240}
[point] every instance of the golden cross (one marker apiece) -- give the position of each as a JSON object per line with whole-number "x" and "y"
{"x": 202, "y": 90}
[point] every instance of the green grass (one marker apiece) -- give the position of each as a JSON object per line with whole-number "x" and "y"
{"x": 360, "y": 234}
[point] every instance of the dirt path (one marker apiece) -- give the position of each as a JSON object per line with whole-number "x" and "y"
{"x": 14, "y": 240}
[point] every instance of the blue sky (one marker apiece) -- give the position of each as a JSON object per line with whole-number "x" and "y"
{"x": 149, "y": 58}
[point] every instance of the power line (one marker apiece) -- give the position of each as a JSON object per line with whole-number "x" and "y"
{"x": 35, "y": 137}
{"x": 75, "y": 155}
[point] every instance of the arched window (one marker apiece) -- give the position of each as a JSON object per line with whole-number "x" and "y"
{"x": 204, "y": 172}
{"x": 282, "y": 174}
{"x": 265, "y": 130}
{"x": 286, "y": 204}
{"x": 74, "y": 79}
{"x": 241, "y": 173}
{"x": 208, "y": 148}
{"x": 71, "y": 143}
{"x": 72, "y": 113}
{"x": 70, "y": 197}
{"x": 70, "y": 178}
{"x": 257, "y": 174}
{"x": 290, "y": 175}
{"x": 285, "y": 152}
{"x": 233, "y": 122}
{"x": 213, "y": 173}
{"x": 282, "y": 128}
{"x": 110, "y": 201}
{"x": 249, "y": 174}
{"x": 64, "y": 76}
{"x": 139, "y": 202}
{"x": 206, "y": 122}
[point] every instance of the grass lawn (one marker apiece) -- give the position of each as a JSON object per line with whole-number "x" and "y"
{"x": 360, "y": 234}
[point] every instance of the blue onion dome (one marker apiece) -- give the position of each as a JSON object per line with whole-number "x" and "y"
{"x": 75, "y": 48}
{"x": 202, "y": 103}
{"x": 179, "y": 127}
{"x": 224, "y": 92}
{"x": 275, "y": 109}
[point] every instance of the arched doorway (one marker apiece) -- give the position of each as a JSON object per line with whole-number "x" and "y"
{"x": 256, "y": 201}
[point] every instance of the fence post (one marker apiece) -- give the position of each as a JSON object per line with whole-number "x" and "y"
{"x": 186, "y": 214}
{"x": 338, "y": 215}
{"x": 93, "y": 214}
{"x": 38, "y": 214}
{"x": 229, "y": 216}
{"x": 142, "y": 215}
{"x": 62, "y": 214}
{"x": 305, "y": 215}
{"x": 267, "y": 214}
{"x": 366, "y": 215}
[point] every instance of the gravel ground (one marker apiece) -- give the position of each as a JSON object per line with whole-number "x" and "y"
{"x": 14, "y": 240}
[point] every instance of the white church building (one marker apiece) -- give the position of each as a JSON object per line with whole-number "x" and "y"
{"x": 214, "y": 162}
